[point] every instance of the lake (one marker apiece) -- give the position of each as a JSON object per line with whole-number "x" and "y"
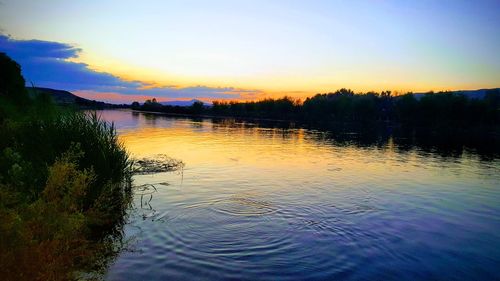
{"x": 273, "y": 202}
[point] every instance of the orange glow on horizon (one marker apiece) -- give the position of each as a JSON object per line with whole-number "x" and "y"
{"x": 269, "y": 86}
{"x": 121, "y": 98}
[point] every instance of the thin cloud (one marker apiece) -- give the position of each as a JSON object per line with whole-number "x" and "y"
{"x": 46, "y": 64}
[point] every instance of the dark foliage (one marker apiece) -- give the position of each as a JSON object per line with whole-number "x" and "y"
{"x": 345, "y": 106}
{"x": 64, "y": 185}
{"x": 11, "y": 81}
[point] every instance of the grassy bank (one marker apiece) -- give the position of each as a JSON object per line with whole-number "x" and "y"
{"x": 64, "y": 185}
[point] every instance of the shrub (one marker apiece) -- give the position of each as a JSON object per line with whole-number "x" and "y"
{"x": 49, "y": 239}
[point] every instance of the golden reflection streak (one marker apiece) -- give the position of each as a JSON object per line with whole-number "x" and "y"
{"x": 252, "y": 149}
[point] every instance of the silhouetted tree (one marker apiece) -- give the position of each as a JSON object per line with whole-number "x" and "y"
{"x": 12, "y": 84}
{"x": 431, "y": 109}
{"x": 196, "y": 107}
{"x": 152, "y": 105}
{"x": 135, "y": 105}
{"x": 406, "y": 107}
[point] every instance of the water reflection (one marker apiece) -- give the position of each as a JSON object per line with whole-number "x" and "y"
{"x": 276, "y": 201}
{"x": 447, "y": 143}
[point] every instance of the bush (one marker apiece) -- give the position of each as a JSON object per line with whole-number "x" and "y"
{"x": 64, "y": 185}
{"x": 50, "y": 238}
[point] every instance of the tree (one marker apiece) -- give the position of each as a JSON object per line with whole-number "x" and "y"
{"x": 135, "y": 105}
{"x": 12, "y": 84}
{"x": 196, "y": 107}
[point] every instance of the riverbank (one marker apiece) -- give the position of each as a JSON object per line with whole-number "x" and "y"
{"x": 64, "y": 186}
{"x": 431, "y": 111}
{"x": 480, "y": 138}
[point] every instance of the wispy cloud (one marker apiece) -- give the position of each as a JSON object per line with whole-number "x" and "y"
{"x": 46, "y": 64}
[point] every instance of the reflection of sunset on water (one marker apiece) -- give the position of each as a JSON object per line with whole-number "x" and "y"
{"x": 252, "y": 151}
{"x": 277, "y": 192}
{"x": 249, "y": 140}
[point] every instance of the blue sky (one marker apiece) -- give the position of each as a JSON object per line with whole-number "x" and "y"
{"x": 46, "y": 64}
{"x": 252, "y": 49}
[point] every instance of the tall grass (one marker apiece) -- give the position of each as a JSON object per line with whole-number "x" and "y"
{"x": 64, "y": 190}
{"x": 41, "y": 140}
{"x": 64, "y": 185}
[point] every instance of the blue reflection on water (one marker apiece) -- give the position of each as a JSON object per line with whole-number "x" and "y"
{"x": 291, "y": 204}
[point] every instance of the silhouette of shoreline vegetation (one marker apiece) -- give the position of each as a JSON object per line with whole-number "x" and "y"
{"x": 64, "y": 186}
{"x": 432, "y": 110}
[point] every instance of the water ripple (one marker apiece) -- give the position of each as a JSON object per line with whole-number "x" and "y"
{"x": 240, "y": 205}
{"x": 276, "y": 204}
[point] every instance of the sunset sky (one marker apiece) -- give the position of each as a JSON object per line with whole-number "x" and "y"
{"x": 122, "y": 51}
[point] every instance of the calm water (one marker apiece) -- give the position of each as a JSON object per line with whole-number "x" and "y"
{"x": 256, "y": 203}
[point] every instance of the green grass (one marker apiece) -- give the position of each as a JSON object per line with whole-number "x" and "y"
{"x": 64, "y": 185}
{"x": 64, "y": 191}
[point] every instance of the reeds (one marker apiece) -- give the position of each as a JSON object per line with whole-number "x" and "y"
{"x": 64, "y": 185}
{"x": 64, "y": 190}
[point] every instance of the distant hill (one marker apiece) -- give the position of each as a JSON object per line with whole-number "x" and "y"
{"x": 67, "y": 98}
{"x": 475, "y": 94}
{"x": 471, "y": 94}
{"x": 58, "y": 96}
{"x": 180, "y": 102}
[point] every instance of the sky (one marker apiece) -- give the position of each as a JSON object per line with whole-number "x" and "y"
{"x": 120, "y": 51}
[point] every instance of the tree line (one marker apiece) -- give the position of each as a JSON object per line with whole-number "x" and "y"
{"x": 344, "y": 105}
